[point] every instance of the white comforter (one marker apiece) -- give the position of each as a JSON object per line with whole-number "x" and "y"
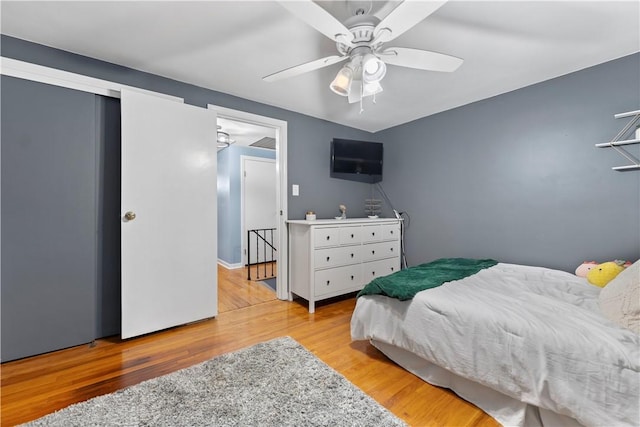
{"x": 532, "y": 333}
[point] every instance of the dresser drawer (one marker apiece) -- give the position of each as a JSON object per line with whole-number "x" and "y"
{"x": 373, "y": 251}
{"x": 383, "y": 267}
{"x": 324, "y": 237}
{"x": 339, "y": 279}
{"x": 371, "y": 233}
{"x": 350, "y": 235}
{"x": 391, "y": 232}
{"x": 331, "y": 257}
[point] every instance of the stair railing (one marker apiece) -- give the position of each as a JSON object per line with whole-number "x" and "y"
{"x": 263, "y": 238}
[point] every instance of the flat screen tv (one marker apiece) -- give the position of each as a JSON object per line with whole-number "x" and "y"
{"x": 356, "y": 160}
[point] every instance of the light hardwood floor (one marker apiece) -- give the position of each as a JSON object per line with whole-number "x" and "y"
{"x": 249, "y": 314}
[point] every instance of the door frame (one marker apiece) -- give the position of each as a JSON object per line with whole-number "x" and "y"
{"x": 243, "y": 238}
{"x": 280, "y": 126}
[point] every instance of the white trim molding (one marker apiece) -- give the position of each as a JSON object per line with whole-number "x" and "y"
{"x": 228, "y": 266}
{"x": 55, "y": 77}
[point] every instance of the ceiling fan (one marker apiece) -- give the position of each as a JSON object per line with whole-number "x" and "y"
{"x": 360, "y": 40}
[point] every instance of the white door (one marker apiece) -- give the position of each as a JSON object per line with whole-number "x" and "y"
{"x": 260, "y": 207}
{"x": 169, "y": 253}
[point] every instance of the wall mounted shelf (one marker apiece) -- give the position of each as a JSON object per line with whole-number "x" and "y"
{"x": 618, "y": 142}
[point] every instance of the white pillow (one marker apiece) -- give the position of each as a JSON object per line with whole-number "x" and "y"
{"x": 620, "y": 299}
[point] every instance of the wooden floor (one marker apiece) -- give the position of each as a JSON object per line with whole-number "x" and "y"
{"x": 249, "y": 314}
{"x": 235, "y": 291}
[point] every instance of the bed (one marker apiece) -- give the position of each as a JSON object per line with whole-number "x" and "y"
{"x": 528, "y": 345}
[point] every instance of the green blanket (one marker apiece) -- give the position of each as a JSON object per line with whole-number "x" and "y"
{"x": 404, "y": 284}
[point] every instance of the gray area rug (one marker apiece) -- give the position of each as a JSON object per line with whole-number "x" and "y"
{"x": 275, "y": 383}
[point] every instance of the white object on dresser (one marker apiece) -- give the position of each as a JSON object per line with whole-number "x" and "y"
{"x": 331, "y": 257}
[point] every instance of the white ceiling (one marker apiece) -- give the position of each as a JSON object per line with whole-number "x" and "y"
{"x": 245, "y": 134}
{"x": 229, "y": 46}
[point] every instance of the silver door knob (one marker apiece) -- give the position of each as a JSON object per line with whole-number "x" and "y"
{"x": 130, "y": 216}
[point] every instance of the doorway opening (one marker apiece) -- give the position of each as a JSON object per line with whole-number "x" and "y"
{"x": 259, "y": 217}
{"x": 252, "y": 201}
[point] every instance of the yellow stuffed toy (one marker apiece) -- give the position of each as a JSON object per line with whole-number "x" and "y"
{"x": 603, "y": 273}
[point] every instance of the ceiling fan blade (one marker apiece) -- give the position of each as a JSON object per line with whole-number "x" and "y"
{"x": 319, "y": 19}
{"x": 304, "y": 68}
{"x": 420, "y": 59}
{"x": 404, "y": 17}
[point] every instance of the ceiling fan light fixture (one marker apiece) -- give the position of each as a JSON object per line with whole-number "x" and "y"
{"x": 223, "y": 139}
{"x": 342, "y": 83}
{"x": 373, "y": 69}
{"x": 360, "y": 90}
{"x": 355, "y": 95}
{"x": 372, "y": 88}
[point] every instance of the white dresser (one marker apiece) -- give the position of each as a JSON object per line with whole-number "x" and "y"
{"x": 329, "y": 257}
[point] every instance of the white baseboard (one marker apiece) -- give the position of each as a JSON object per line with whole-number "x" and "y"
{"x": 229, "y": 266}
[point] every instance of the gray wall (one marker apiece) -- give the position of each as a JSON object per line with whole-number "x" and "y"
{"x": 517, "y": 177}
{"x": 308, "y": 137}
{"x": 49, "y": 218}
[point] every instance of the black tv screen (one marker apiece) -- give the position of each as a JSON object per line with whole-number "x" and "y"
{"x": 356, "y": 160}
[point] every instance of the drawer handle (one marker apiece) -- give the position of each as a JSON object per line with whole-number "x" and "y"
{"x": 328, "y": 281}
{"x": 373, "y": 233}
{"x": 391, "y": 249}
{"x": 328, "y": 259}
{"x": 351, "y": 255}
{"x": 391, "y": 268}
{"x": 351, "y": 277}
{"x": 328, "y": 237}
{"x": 391, "y": 231}
{"x": 373, "y": 252}
{"x": 373, "y": 273}
{"x": 352, "y": 236}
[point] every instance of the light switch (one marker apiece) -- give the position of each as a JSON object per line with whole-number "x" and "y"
{"x": 295, "y": 190}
